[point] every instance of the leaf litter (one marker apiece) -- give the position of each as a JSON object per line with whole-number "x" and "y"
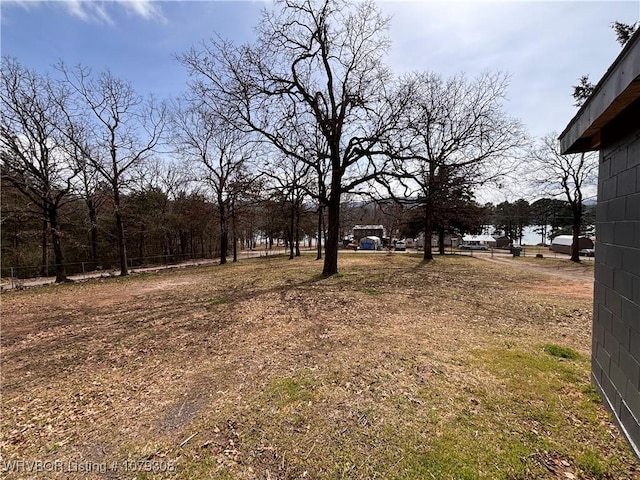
{"x": 262, "y": 369}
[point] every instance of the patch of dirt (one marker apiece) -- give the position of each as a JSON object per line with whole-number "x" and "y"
{"x": 575, "y": 290}
{"x": 566, "y": 271}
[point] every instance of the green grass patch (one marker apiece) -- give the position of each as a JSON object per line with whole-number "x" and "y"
{"x": 217, "y": 301}
{"x": 290, "y": 390}
{"x": 560, "y": 351}
{"x": 592, "y": 464}
{"x": 371, "y": 291}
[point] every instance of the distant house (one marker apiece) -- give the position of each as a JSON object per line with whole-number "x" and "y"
{"x": 563, "y": 243}
{"x": 609, "y": 121}
{"x": 361, "y": 231}
{"x": 486, "y": 240}
{"x": 449, "y": 241}
{"x": 503, "y": 242}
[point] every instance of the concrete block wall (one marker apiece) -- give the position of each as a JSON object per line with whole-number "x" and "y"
{"x": 616, "y": 324}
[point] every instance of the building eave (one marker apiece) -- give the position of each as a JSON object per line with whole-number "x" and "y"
{"x": 618, "y": 89}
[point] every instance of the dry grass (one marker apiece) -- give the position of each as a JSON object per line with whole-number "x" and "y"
{"x": 393, "y": 369}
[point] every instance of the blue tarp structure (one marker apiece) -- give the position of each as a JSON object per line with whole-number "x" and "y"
{"x": 370, "y": 243}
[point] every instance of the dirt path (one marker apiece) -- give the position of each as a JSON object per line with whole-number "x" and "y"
{"x": 561, "y": 277}
{"x": 579, "y": 273}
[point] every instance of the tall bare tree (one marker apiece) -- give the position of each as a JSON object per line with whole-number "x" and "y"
{"x": 34, "y": 155}
{"x": 316, "y": 63}
{"x": 222, "y": 151}
{"x": 567, "y": 176}
{"x": 456, "y": 136}
{"x": 122, "y": 130}
{"x": 89, "y": 184}
{"x": 291, "y": 180}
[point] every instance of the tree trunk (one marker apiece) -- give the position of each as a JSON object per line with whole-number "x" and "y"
{"x": 428, "y": 232}
{"x": 320, "y": 231}
{"x": 441, "y": 241}
{"x": 575, "y": 246}
{"x": 44, "y": 270}
{"x": 234, "y": 238}
{"x": 224, "y": 229}
{"x": 234, "y": 234}
{"x": 224, "y": 237}
{"x": 333, "y": 234}
{"x": 292, "y": 219}
{"x": 93, "y": 219}
{"x": 297, "y": 227}
{"x": 182, "y": 237}
{"x": 61, "y": 274}
{"x": 122, "y": 247}
{"x": 141, "y": 242}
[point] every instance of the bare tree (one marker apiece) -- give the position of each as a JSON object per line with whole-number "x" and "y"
{"x": 315, "y": 63}
{"x": 122, "y": 129}
{"x": 89, "y": 184}
{"x": 456, "y": 136}
{"x": 159, "y": 186}
{"x": 291, "y": 181}
{"x": 222, "y": 151}
{"x": 567, "y": 176}
{"x": 34, "y": 155}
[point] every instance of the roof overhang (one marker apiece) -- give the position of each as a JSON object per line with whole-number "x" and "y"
{"x": 612, "y": 107}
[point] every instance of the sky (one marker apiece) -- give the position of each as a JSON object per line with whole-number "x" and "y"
{"x": 545, "y": 46}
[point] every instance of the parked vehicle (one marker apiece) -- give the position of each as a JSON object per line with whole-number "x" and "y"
{"x": 587, "y": 252}
{"x": 400, "y": 246}
{"x": 473, "y": 247}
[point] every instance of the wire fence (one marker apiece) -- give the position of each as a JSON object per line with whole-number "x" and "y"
{"x": 75, "y": 268}
{"x": 482, "y": 251}
{"x": 523, "y": 251}
{"x": 32, "y": 275}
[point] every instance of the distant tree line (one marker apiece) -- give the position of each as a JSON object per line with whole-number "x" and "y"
{"x": 550, "y": 217}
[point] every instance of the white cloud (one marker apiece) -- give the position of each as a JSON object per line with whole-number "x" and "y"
{"x": 98, "y": 11}
{"x": 147, "y": 9}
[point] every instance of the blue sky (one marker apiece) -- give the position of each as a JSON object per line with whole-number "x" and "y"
{"x": 545, "y": 46}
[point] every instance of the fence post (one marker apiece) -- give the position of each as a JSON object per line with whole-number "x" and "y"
{"x": 83, "y": 275}
{"x": 11, "y": 277}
